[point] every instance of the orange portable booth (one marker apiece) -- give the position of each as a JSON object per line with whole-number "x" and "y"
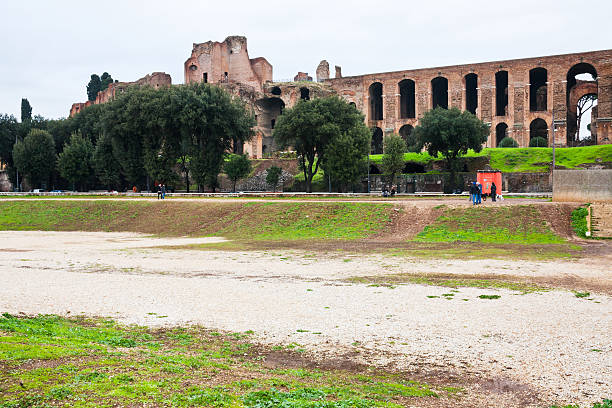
{"x": 488, "y": 177}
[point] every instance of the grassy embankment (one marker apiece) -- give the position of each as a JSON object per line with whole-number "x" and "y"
{"x": 241, "y": 221}
{"x": 481, "y": 232}
{"x": 527, "y": 159}
{"x": 51, "y": 361}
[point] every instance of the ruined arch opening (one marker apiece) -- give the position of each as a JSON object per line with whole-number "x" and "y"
{"x": 377, "y": 141}
{"x": 501, "y": 93}
{"x": 406, "y": 91}
{"x": 269, "y": 110}
{"x": 305, "y": 94}
{"x": 582, "y": 91}
{"x": 406, "y": 133}
{"x": 538, "y": 133}
{"x": 501, "y": 131}
{"x": 275, "y": 91}
{"x": 439, "y": 92}
{"x": 538, "y": 78}
{"x": 376, "y": 102}
{"x": 471, "y": 93}
{"x": 353, "y": 104}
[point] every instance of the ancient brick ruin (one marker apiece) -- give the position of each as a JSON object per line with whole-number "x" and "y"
{"x": 156, "y": 80}
{"x": 517, "y": 98}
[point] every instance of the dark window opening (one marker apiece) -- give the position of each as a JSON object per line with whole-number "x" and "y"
{"x": 501, "y": 93}
{"x": 538, "y": 89}
{"x": 406, "y": 90}
{"x": 205, "y": 77}
{"x": 193, "y": 67}
{"x": 225, "y": 77}
{"x": 305, "y": 94}
{"x": 471, "y": 93}
{"x": 501, "y": 131}
{"x": 377, "y": 141}
{"x": 406, "y": 133}
{"x": 439, "y": 92}
{"x": 374, "y": 169}
{"x": 353, "y": 105}
{"x": 412, "y": 167}
{"x": 272, "y": 123}
{"x": 275, "y": 91}
{"x": 538, "y": 128}
{"x": 376, "y": 102}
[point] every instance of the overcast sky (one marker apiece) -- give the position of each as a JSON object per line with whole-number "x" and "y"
{"x": 49, "y": 48}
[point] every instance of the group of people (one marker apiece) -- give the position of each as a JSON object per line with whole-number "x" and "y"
{"x": 388, "y": 193}
{"x": 476, "y": 194}
{"x": 161, "y": 191}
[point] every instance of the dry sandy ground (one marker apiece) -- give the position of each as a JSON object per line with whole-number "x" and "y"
{"x": 550, "y": 344}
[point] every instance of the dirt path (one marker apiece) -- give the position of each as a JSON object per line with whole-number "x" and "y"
{"x": 550, "y": 344}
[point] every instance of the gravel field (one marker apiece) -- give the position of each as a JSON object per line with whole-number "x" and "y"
{"x": 550, "y": 343}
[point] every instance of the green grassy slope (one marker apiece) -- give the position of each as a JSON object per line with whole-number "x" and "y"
{"x": 529, "y": 159}
{"x": 252, "y": 221}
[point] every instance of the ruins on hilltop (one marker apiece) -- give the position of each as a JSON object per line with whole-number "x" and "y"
{"x": 520, "y": 98}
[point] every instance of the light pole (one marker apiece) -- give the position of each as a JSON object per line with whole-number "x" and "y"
{"x": 553, "y": 148}
{"x": 16, "y": 171}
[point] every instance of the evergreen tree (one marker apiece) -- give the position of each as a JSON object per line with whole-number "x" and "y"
{"x": 75, "y": 161}
{"x": 105, "y": 81}
{"x": 26, "y": 111}
{"x": 393, "y": 157}
{"x": 273, "y": 176}
{"x": 237, "y": 167}
{"x": 93, "y": 87}
{"x": 35, "y": 157}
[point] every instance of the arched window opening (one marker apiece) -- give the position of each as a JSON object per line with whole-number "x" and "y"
{"x": 275, "y": 91}
{"x": 501, "y": 131}
{"x": 406, "y": 90}
{"x": 406, "y": 133}
{"x": 377, "y": 141}
{"x": 471, "y": 93}
{"x": 538, "y": 131}
{"x": 305, "y": 94}
{"x": 538, "y": 89}
{"x": 439, "y": 92}
{"x": 582, "y": 91}
{"x": 376, "y": 102}
{"x": 501, "y": 93}
{"x": 269, "y": 110}
{"x": 353, "y": 105}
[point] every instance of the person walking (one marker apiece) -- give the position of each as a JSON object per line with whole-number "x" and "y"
{"x": 474, "y": 192}
{"x": 163, "y": 191}
{"x": 479, "y": 193}
{"x": 493, "y": 192}
{"x": 159, "y": 193}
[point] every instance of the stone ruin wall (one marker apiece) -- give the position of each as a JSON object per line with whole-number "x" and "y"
{"x": 518, "y": 116}
{"x": 156, "y": 80}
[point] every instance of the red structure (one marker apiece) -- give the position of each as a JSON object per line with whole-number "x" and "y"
{"x": 488, "y": 177}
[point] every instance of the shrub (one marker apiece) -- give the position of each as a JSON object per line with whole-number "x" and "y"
{"x": 538, "y": 142}
{"x": 508, "y": 142}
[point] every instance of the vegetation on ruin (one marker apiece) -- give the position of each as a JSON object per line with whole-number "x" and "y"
{"x": 49, "y": 361}
{"x": 516, "y": 225}
{"x": 247, "y": 221}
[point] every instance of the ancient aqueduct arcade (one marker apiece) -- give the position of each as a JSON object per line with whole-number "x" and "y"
{"x": 518, "y": 98}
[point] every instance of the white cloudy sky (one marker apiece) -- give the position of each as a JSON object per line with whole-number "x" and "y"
{"x": 49, "y": 48}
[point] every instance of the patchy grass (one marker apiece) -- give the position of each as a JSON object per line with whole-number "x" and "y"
{"x": 101, "y": 364}
{"x": 468, "y": 250}
{"x": 606, "y": 403}
{"x": 497, "y": 225}
{"x": 248, "y": 220}
{"x": 452, "y": 281}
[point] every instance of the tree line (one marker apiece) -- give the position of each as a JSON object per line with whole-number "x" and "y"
{"x": 188, "y": 133}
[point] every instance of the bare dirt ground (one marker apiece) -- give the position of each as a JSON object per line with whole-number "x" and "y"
{"x": 519, "y": 350}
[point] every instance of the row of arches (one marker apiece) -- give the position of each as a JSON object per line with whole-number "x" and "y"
{"x": 538, "y": 93}
{"x": 304, "y": 92}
